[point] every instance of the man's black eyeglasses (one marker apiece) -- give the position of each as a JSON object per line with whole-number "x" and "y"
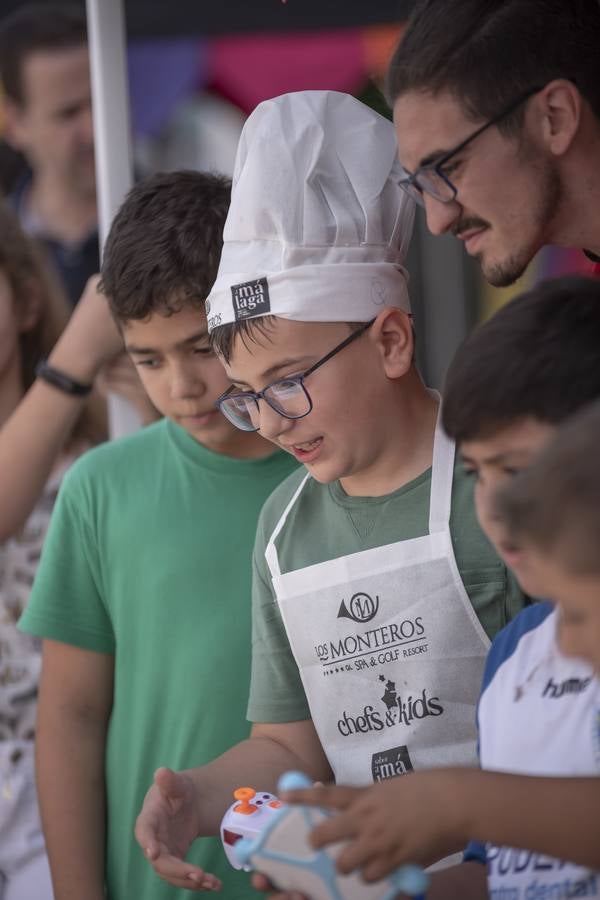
{"x": 431, "y": 178}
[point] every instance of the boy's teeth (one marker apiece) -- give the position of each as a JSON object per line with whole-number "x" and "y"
{"x": 307, "y": 445}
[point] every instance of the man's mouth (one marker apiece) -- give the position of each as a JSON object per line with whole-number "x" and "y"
{"x": 470, "y": 233}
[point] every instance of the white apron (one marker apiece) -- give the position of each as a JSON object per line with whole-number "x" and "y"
{"x": 389, "y": 648}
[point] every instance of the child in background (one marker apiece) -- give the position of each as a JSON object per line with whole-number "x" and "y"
{"x": 511, "y": 384}
{"x": 143, "y": 591}
{"x": 33, "y": 313}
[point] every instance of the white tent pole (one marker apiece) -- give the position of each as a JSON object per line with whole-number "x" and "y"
{"x": 112, "y": 142}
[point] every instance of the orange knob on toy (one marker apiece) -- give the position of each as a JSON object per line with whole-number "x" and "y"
{"x": 244, "y": 795}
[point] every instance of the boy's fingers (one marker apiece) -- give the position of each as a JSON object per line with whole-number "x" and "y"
{"x": 357, "y": 855}
{"x": 330, "y": 796}
{"x": 333, "y": 830}
{"x": 378, "y": 868}
{"x": 175, "y": 870}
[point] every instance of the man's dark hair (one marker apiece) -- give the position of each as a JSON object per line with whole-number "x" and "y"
{"x": 31, "y": 28}
{"x": 554, "y": 504}
{"x": 538, "y": 356}
{"x": 164, "y": 245}
{"x": 487, "y": 53}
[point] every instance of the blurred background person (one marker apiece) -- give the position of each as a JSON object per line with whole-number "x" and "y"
{"x": 33, "y": 312}
{"x": 47, "y": 116}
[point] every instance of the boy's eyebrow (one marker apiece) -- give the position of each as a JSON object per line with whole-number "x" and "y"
{"x": 272, "y": 370}
{"x": 145, "y": 351}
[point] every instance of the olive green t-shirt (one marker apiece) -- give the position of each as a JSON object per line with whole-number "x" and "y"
{"x": 148, "y": 559}
{"x": 325, "y": 523}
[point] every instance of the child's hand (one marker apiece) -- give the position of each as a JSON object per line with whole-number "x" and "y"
{"x": 409, "y": 819}
{"x": 90, "y": 338}
{"x": 165, "y": 828}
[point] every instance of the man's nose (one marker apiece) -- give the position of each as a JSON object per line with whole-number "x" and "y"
{"x": 440, "y": 216}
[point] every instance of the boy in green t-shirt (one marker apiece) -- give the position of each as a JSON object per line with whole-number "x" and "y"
{"x": 143, "y": 591}
{"x": 375, "y": 591}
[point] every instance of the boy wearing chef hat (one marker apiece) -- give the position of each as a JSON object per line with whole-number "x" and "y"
{"x": 375, "y": 592}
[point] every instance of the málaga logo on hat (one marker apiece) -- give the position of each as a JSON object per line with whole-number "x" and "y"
{"x": 250, "y": 299}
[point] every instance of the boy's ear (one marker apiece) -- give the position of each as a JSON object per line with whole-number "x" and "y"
{"x": 392, "y": 331}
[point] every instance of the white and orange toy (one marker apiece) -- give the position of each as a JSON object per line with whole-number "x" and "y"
{"x": 261, "y": 833}
{"x": 247, "y": 818}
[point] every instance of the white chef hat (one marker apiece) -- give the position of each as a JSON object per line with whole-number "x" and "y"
{"x": 318, "y": 228}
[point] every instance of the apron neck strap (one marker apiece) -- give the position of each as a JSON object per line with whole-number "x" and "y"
{"x": 442, "y": 474}
{"x": 440, "y": 501}
{"x": 271, "y": 550}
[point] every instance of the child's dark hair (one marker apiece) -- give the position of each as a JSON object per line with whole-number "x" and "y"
{"x": 461, "y": 46}
{"x": 554, "y": 504}
{"x": 537, "y": 356}
{"x": 251, "y": 331}
{"x": 36, "y": 27}
{"x": 164, "y": 245}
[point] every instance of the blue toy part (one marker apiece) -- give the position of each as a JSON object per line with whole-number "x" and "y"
{"x": 293, "y": 781}
{"x": 283, "y": 854}
{"x": 411, "y": 880}
{"x": 244, "y": 849}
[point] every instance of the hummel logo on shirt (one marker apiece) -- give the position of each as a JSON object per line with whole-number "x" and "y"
{"x": 570, "y": 686}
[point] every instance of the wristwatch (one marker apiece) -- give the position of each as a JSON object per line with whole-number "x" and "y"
{"x": 61, "y": 380}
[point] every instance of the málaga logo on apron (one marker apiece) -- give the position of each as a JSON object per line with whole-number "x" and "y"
{"x": 391, "y": 763}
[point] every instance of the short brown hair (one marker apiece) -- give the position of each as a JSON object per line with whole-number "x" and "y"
{"x": 461, "y": 46}
{"x": 164, "y": 245}
{"x": 537, "y": 356}
{"x": 555, "y": 503}
{"x": 32, "y": 28}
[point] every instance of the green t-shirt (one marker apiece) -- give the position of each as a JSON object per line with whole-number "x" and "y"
{"x": 325, "y": 523}
{"x": 148, "y": 557}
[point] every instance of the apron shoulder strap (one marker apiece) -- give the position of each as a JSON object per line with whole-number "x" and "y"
{"x": 271, "y": 550}
{"x": 442, "y": 475}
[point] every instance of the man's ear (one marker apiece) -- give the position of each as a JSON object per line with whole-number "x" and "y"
{"x": 392, "y": 331}
{"x": 559, "y": 106}
{"x": 13, "y": 130}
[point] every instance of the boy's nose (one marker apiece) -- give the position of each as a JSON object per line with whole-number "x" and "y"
{"x": 271, "y": 423}
{"x": 185, "y": 383}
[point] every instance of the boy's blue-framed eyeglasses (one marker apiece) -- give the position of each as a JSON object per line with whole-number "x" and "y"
{"x": 287, "y": 396}
{"x": 431, "y": 178}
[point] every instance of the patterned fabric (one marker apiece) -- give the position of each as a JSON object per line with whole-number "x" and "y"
{"x": 20, "y": 654}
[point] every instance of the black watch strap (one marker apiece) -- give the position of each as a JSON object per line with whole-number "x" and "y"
{"x": 61, "y": 380}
